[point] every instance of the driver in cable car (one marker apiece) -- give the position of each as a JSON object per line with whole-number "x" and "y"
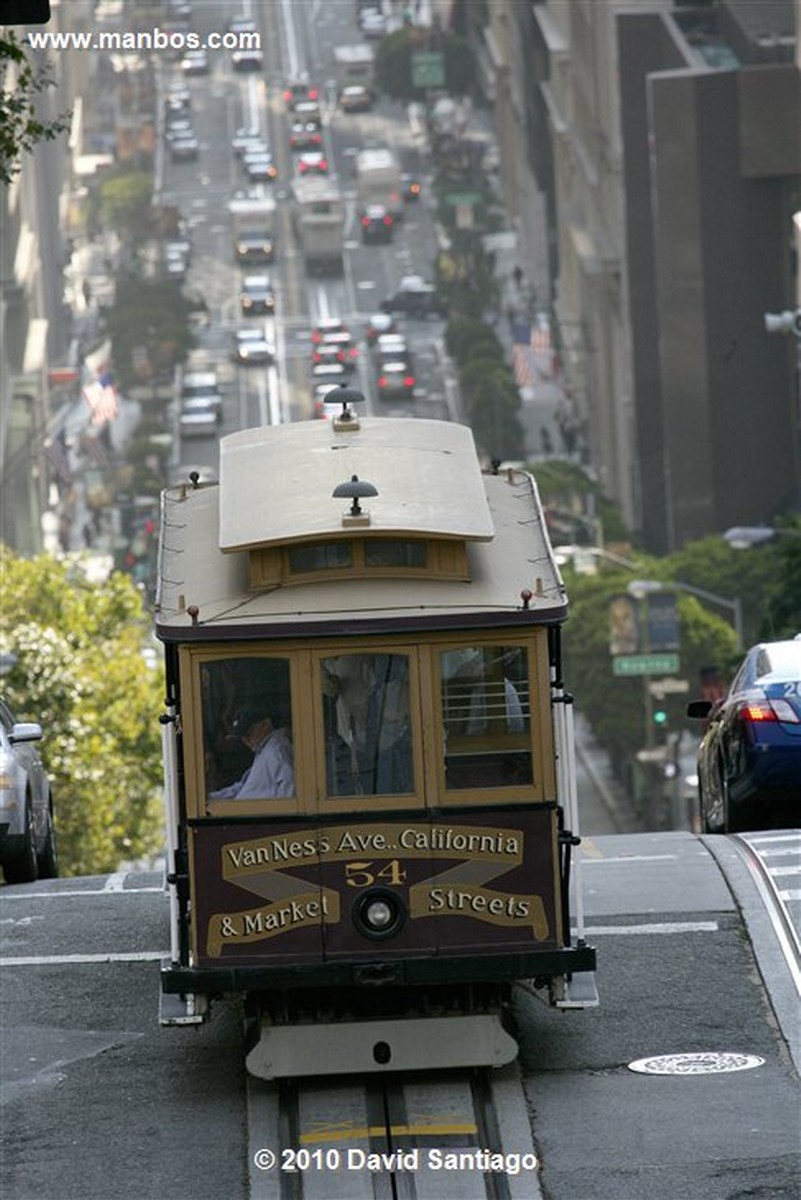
{"x": 272, "y": 772}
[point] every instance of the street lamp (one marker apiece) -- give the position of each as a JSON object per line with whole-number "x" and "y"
{"x": 741, "y": 537}
{"x": 641, "y": 587}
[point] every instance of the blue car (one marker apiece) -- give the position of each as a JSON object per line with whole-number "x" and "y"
{"x": 749, "y": 759}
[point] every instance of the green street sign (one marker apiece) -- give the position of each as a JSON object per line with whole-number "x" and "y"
{"x": 428, "y": 69}
{"x": 645, "y": 664}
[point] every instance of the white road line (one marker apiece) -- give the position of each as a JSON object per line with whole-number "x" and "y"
{"x": 628, "y": 858}
{"x": 662, "y": 927}
{"x": 58, "y": 960}
{"x": 6, "y": 895}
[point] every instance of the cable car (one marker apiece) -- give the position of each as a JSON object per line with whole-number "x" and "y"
{"x": 369, "y": 778}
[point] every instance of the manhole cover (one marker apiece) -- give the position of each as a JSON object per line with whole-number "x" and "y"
{"x": 696, "y": 1064}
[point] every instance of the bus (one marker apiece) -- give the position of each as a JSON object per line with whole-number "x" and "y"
{"x": 318, "y": 216}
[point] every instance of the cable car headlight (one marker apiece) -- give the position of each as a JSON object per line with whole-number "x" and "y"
{"x": 379, "y": 913}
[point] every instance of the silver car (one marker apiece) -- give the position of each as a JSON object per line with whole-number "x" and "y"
{"x": 27, "y": 836}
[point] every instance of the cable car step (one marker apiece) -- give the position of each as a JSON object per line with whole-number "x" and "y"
{"x": 580, "y": 992}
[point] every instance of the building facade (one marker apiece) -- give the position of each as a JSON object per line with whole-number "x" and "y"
{"x": 663, "y": 137}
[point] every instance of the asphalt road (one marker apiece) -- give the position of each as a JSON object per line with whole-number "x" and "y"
{"x": 98, "y": 1100}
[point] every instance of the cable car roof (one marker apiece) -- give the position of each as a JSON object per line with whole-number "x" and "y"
{"x": 276, "y": 483}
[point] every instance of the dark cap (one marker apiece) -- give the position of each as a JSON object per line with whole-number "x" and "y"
{"x": 245, "y": 718}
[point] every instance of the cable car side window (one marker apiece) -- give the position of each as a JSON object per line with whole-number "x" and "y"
{"x": 247, "y": 748}
{"x": 367, "y": 730}
{"x": 486, "y": 717}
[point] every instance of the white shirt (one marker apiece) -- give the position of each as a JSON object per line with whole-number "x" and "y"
{"x": 270, "y": 774}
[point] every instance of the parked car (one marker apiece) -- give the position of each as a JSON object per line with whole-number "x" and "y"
{"x": 27, "y": 836}
{"x": 377, "y": 225}
{"x": 257, "y": 295}
{"x": 749, "y": 759}
{"x": 416, "y": 298}
{"x": 184, "y": 149}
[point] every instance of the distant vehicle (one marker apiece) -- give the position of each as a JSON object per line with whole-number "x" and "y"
{"x": 378, "y": 180}
{"x": 178, "y": 93}
{"x": 200, "y": 416}
{"x": 200, "y": 383}
{"x": 329, "y": 372}
{"x": 392, "y": 347}
{"x": 354, "y": 66}
{"x": 377, "y": 225}
{"x": 27, "y": 837}
{"x": 252, "y": 349}
{"x": 377, "y": 324}
{"x": 411, "y": 188}
{"x": 318, "y": 216}
{"x": 178, "y": 125}
{"x": 299, "y": 91}
{"x": 246, "y": 138}
{"x": 184, "y": 149}
{"x": 260, "y": 168}
{"x": 749, "y": 759}
{"x": 373, "y": 23}
{"x": 416, "y": 298}
{"x": 356, "y": 98}
{"x": 395, "y": 381}
{"x": 328, "y": 327}
{"x": 254, "y": 148}
{"x": 253, "y": 221}
{"x": 309, "y": 111}
{"x": 304, "y": 135}
{"x": 257, "y": 295}
{"x": 195, "y": 62}
{"x": 175, "y": 263}
{"x": 247, "y": 60}
{"x": 242, "y": 24}
{"x": 312, "y": 162}
{"x": 331, "y": 352}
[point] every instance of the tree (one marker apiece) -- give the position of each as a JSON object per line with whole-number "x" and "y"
{"x": 394, "y": 58}
{"x": 82, "y": 671}
{"x": 151, "y": 313}
{"x": 21, "y": 126}
{"x": 125, "y": 200}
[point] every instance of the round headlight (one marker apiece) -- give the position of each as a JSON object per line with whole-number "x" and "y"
{"x": 379, "y": 913}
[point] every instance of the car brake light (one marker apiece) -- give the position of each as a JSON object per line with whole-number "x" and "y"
{"x": 313, "y": 93}
{"x": 387, "y": 220}
{"x": 365, "y": 221}
{"x": 757, "y": 711}
{"x": 409, "y": 381}
{"x": 382, "y": 381}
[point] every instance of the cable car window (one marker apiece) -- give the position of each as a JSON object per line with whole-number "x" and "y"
{"x": 368, "y": 744}
{"x": 320, "y": 556}
{"x": 383, "y": 552}
{"x": 486, "y": 717}
{"x": 246, "y": 742}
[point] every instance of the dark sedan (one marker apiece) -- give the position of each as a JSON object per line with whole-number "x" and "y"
{"x": 749, "y": 759}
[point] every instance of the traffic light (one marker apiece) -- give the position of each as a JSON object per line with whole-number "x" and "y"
{"x": 660, "y": 718}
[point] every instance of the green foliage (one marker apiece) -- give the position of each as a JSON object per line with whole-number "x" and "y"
{"x": 566, "y": 487}
{"x": 21, "y": 127}
{"x": 468, "y": 338}
{"x": 393, "y": 63}
{"x": 125, "y": 202}
{"x": 491, "y": 403}
{"x": 80, "y": 670}
{"x": 614, "y": 705}
{"x": 150, "y": 313}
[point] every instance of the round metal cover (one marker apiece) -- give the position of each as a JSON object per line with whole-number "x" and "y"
{"x": 713, "y": 1063}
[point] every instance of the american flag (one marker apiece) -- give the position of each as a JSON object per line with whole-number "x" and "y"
{"x": 99, "y": 392}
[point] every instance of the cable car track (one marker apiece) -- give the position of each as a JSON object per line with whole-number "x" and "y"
{"x": 783, "y": 926}
{"x": 393, "y": 1138}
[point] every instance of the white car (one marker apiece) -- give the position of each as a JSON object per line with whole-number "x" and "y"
{"x": 27, "y": 837}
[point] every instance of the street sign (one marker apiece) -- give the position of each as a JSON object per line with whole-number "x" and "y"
{"x": 668, "y": 687}
{"x": 645, "y": 664}
{"x": 428, "y": 69}
{"x": 656, "y": 754}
